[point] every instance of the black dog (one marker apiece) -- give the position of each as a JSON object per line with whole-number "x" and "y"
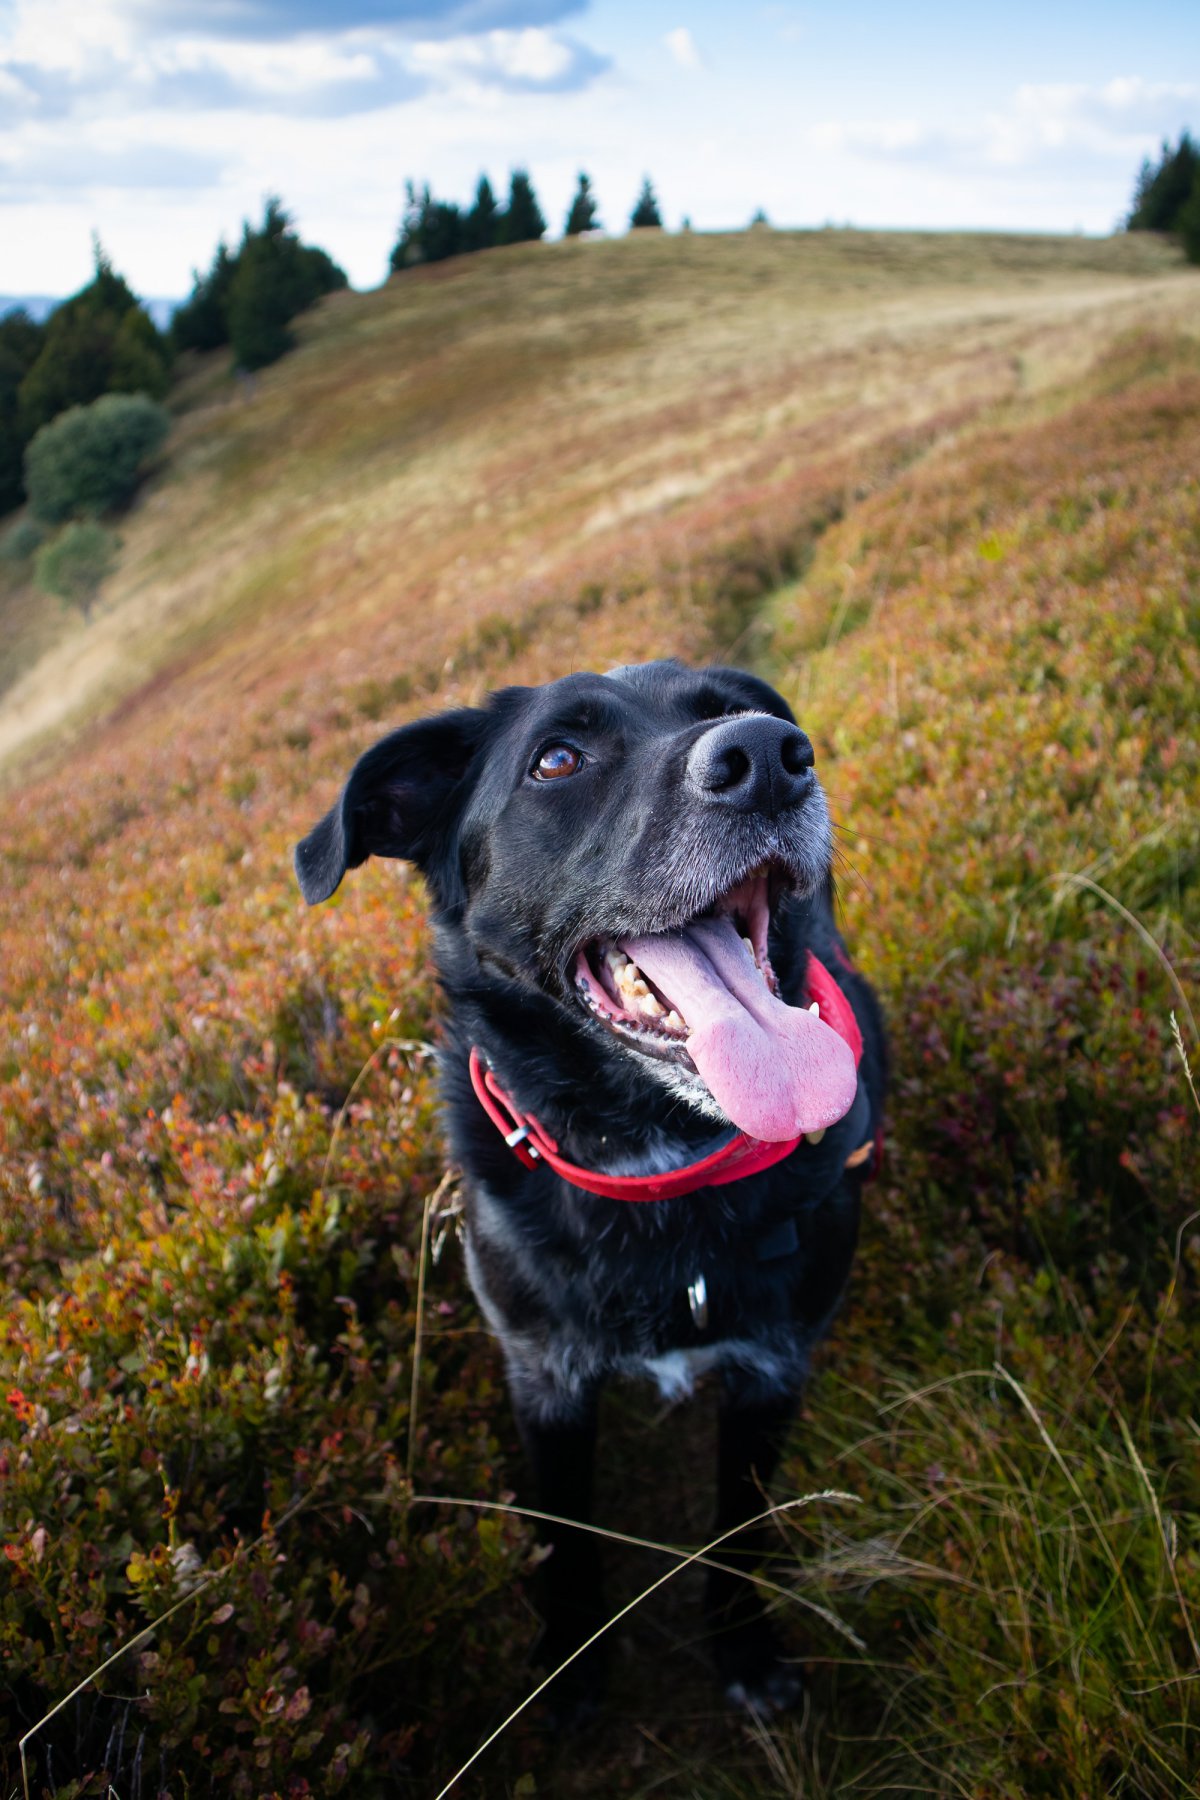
{"x": 633, "y": 902}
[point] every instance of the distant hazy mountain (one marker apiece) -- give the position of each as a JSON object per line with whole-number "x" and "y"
{"x": 40, "y": 306}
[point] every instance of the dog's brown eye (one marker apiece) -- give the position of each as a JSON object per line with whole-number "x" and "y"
{"x": 555, "y": 761}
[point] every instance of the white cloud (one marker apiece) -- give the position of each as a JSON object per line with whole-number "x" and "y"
{"x": 1125, "y": 100}
{"x": 334, "y": 103}
{"x": 50, "y": 69}
{"x": 1040, "y": 123}
{"x": 144, "y": 119}
{"x": 1112, "y": 119}
{"x": 682, "y": 46}
{"x": 530, "y": 59}
{"x": 62, "y": 36}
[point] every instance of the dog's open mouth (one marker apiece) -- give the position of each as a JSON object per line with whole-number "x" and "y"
{"x": 706, "y": 997}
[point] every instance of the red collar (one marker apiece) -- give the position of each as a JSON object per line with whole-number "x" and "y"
{"x": 742, "y": 1156}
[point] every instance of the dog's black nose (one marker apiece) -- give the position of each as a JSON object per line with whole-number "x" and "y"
{"x": 753, "y": 762}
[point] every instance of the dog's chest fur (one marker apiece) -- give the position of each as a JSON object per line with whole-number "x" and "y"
{"x": 579, "y": 1288}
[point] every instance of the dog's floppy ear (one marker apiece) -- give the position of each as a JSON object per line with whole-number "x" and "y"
{"x": 399, "y": 801}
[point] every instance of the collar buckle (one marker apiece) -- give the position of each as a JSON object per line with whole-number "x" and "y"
{"x": 521, "y": 1137}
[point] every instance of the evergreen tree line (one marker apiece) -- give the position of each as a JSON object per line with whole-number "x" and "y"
{"x": 1167, "y": 195}
{"x": 100, "y": 341}
{"x": 432, "y": 230}
{"x": 249, "y": 297}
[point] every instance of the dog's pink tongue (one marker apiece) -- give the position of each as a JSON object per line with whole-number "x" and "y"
{"x": 776, "y": 1070}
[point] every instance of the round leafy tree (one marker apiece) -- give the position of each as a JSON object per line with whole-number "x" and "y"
{"x": 90, "y": 459}
{"x": 76, "y": 563}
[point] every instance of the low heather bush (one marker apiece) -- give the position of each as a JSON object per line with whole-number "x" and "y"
{"x": 215, "y": 1407}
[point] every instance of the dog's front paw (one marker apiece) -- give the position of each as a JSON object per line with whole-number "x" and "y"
{"x": 754, "y": 1674}
{"x": 779, "y": 1690}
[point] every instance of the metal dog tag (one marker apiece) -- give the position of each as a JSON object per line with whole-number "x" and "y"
{"x": 698, "y": 1303}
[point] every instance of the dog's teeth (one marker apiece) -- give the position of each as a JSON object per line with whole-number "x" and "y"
{"x": 632, "y": 982}
{"x": 815, "y": 1008}
{"x": 674, "y": 1021}
{"x": 749, "y": 945}
{"x": 652, "y": 1005}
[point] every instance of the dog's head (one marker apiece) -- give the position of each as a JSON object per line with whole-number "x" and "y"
{"x": 621, "y": 843}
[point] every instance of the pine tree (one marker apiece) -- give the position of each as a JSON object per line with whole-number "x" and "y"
{"x": 405, "y": 250}
{"x": 1188, "y": 222}
{"x": 1162, "y": 192}
{"x": 260, "y": 308}
{"x": 79, "y": 351}
{"x": 583, "y": 215}
{"x": 138, "y": 364}
{"x": 523, "y": 221}
{"x": 275, "y": 277}
{"x": 301, "y": 273}
{"x": 200, "y": 323}
{"x": 646, "y": 212}
{"x": 430, "y": 231}
{"x": 20, "y": 344}
{"x": 106, "y": 291}
{"x": 442, "y": 231}
{"x": 481, "y": 226}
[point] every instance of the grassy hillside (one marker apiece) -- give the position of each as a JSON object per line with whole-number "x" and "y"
{"x": 944, "y": 492}
{"x": 439, "y": 453}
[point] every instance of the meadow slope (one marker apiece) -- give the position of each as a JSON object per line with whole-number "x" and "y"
{"x": 944, "y": 492}
{"x": 441, "y": 451}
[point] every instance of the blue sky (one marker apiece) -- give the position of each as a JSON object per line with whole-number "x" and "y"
{"x": 161, "y": 124}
